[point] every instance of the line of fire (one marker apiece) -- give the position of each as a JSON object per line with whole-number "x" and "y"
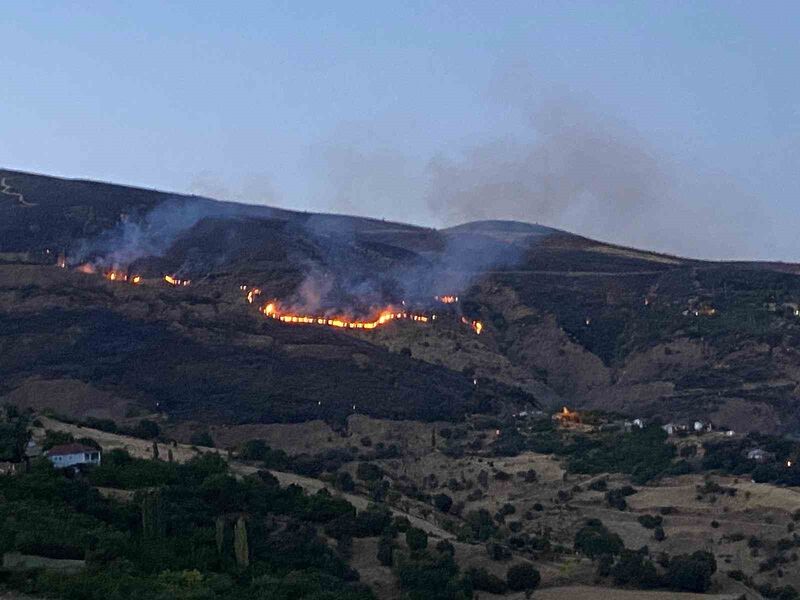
{"x": 377, "y": 318}
{"x": 449, "y": 303}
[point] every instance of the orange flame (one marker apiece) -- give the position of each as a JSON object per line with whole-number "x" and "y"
{"x": 272, "y": 311}
{"x": 446, "y": 299}
{"x": 116, "y": 275}
{"x": 477, "y": 326}
{"x": 176, "y": 281}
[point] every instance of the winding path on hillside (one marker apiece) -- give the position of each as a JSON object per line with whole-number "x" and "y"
{"x": 6, "y": 189}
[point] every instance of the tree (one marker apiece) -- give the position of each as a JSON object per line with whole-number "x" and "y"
{"x": 416, "y": 539}
{"x": 691, "y": 572}
{"x": 202, "y": 438}
{"x": 595, "y": 540}
{"x": 146, "y": 429}
{"x": 368, "y": 472}
{"x": 386, "y": 551}
{"x": 522, "y": 577}
{"x": 633, "y": 568}
{"x": 241, "y": 548}
{"x": 658, "y": 534}
{"x": 442, "y": 502}
{"x": 483, "y": 581}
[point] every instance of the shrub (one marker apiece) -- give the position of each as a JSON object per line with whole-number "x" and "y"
{"x": 633, "y": 568}
{"x": 522, "y": 577}
{"x": 368, "y": 472}
{"x": 344, "y": 481}
{"x": 442, "y": 502}
{"x": 497, "y": 551}
{"x": 595, "y": 540}
{"x": 650, "y": 521}
{"x": 372, "y": 521}
{"x": 599, "y": 485}
{"x": 483, "y": 581}
{"x": 386, "y": 551}
{"x": 202, "y": 438}
{"x": 691, "y": 572}
{"x": 416, "y": 539}
{"x": 146, "y": 429}
{"x": 445, "y": 547}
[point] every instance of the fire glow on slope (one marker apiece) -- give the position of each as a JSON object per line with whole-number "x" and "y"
{"x": 272, "y": 311}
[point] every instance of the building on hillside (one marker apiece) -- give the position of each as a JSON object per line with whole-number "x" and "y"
{"x": 32, "y": 450}
{"x": 73, "y": 455}
{"x": 759, "y": 455}
{"x": 10, "y": 468}
{"x": 566, "y": 417}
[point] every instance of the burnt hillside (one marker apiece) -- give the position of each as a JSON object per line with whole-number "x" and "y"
{"x": 565, "y": 319}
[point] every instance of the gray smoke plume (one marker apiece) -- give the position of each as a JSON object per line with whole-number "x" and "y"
{"x": 150, "y": 235}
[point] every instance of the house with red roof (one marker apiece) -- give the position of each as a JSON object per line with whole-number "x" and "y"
{"x": 71, "y": 455}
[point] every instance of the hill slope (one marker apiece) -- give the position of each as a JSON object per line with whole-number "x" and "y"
{"x": 565, "y": 318}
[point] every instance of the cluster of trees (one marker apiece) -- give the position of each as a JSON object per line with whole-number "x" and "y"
{"x": 644, "y": 454}
{"x": 13, "y": 434}
{"x": 683, "y": 573}
{"x": 192, "y": 531}
{"x": 730, "y": 456}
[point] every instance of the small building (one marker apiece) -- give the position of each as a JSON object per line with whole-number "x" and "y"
{"x": 670, "y": 428}
{"x": 72, "y": 455}
{"x": 759, "y": 455}
{"x": 10, "y": 468}
{"x": 32, "y": 450}
{"x": 567, "y": 417}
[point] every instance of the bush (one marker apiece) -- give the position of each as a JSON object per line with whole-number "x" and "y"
{"x": 483, "y": 581}
{"x": 522, "y": 577}
{"x": 416, "y": 539}
{"x": 595, "y": 540}
{"x": 344, "y": 482}
{"x": 599, "y": 485}
{"x": 633, "y": 568}
{"x": 691, "y": 572}
{"x": 386, "y": 551}
{"x": 650, "y": 521}
{"x": 368, "y": 472}
{"x": 146, "y": 429}
{"x": 445, "y": 547}
{"x": 497, "y": 551}
{"x": 442, "y": 502}
{"x": 202, "y": 438}
{"x": 372, "y": 521}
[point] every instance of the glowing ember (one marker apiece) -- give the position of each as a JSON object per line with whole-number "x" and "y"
{"x": 447, "y": 299}
{"x": 87, "y": 268}
{"x": 176, "y": 281}
{"x": 272, "y": 311}
{"x": 477, "y": 326}
{"x": 251, "y": 295}
{"x": 120, "y": 276}
{"x": 61, "y": 261}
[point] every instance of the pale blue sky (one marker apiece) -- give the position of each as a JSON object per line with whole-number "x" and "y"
{"x": 671, "y": 125}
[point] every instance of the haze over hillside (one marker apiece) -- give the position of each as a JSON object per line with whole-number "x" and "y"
{"x": 563, "y": 319}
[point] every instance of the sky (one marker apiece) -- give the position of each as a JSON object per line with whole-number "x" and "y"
{"x": 667, "y": 126}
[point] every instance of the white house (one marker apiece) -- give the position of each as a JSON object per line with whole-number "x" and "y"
{"x": 759, "y": 455}
{"x": 71, "y": 455}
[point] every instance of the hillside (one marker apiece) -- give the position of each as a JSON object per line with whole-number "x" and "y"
{"x": 564, "y": 319}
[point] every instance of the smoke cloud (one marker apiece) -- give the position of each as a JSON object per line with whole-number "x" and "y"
{"x": 572, "y": 164}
